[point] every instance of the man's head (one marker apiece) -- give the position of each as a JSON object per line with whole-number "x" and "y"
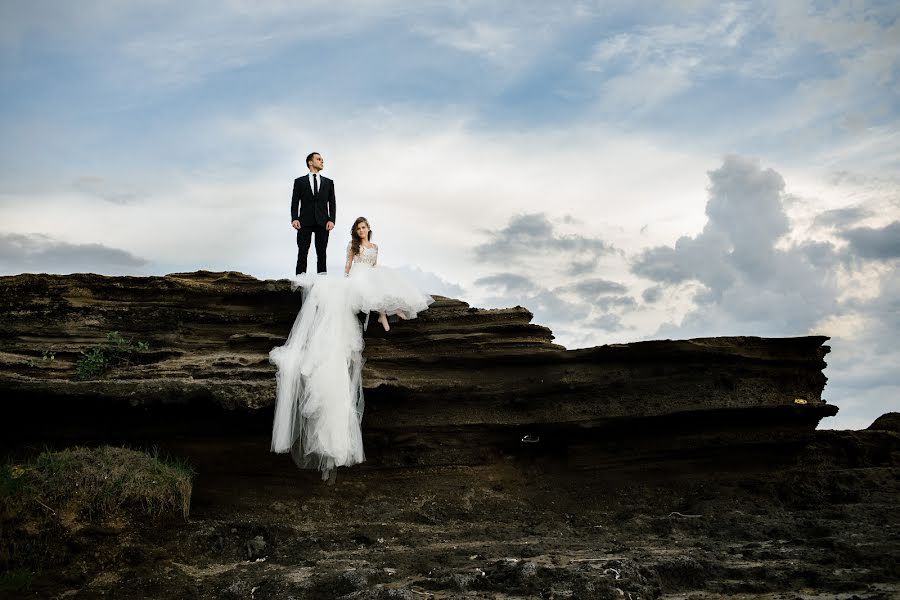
{"x": 314, "y": 162}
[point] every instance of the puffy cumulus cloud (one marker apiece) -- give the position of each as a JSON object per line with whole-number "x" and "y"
{"x": 529, "y": 235}
{"x": 821, "y": 255}
{"x": 589, "y": 288}
{"x": 621, "y": 302}
{"x": 550, "y": 309}
{"x": 862, "y": 369}
{"x": 841, "y": 217}
{"x": 607, "y": 322}
{"x": 750, "y": 280}
{"x": 548, "y": 269}
{"x": 601, "y": 294}
{"x": 875, "y": 243}
{"x": 746, "y": 278}
{"x": 745, "y": 218}
{"x": 36, "y": 253}
{"x": 508, "y": 289}
{"x": 557, "y": 309}
{"x": 886, "y": 306}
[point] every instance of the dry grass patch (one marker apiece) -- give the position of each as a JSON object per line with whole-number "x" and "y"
{"x": 94, "y": 483}
{"x": 58, "y": 494}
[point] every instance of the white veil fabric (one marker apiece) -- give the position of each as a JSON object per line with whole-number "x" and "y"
{"x": 319, "y": 399}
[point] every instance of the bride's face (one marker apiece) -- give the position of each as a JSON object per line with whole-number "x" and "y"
{"x": 362, "y": 231}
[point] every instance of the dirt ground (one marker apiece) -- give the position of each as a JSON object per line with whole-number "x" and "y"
{"x": 822, "y": 524}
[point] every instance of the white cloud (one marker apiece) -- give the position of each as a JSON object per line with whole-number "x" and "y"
{"x": 37, "y": 253}
{"x": 645, "y": 67}
{"x": 748, "y": 281}
{"x": 483, "y": 39}
{"x": 143, "y": 45}
{"x": 182, "y": 58}
{"x": 752, "y": 284}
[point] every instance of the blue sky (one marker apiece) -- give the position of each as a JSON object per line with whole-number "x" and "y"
{"x": 626, "y": 170}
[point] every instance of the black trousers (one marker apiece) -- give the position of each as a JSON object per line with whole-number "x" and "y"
{"x": 304, "y": 237}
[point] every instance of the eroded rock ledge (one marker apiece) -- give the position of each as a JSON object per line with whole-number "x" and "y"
{"x": 455, "y": 366}
{"x": 657, "y": 469}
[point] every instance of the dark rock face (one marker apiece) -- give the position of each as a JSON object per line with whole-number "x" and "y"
{"x": 887, "y": 422}
{"x": 498, "y": 463}
{"x": 209, "y": 335}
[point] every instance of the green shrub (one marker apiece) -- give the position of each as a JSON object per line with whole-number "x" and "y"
{"x": 116, "y": 351}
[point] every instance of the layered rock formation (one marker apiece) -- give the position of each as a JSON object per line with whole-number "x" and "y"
{"x": 209, "y": 335}
{"x": 498, "y": 463}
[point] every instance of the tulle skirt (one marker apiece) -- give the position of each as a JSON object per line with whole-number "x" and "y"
{"x": 319, "y": 400}
{"x": 319, "y": 395}
{"x": 382, "y": 289}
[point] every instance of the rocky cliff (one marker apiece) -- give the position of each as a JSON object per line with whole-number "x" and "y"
{"x": 498, "y": 463}
{"x": 208, "y": 335}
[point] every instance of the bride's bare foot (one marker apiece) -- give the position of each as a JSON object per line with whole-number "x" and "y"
{"x": 382, "y": 318}
{"x": 402, "y": 315}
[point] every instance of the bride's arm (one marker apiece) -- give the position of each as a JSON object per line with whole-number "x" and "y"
{"x": 349, "y": 264}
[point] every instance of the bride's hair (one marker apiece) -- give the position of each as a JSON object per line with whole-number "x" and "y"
{"x": 355, "y": 240}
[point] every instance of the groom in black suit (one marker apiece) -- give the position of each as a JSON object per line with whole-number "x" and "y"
{"x": 312, "y": 212}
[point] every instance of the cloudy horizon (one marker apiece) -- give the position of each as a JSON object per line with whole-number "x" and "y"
{"x": 626, "y": 171}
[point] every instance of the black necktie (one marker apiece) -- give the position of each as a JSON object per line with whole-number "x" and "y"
{"x": 315, "y": 184}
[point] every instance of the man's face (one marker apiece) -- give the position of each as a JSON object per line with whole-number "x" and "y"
{"x": 317, "y": 162}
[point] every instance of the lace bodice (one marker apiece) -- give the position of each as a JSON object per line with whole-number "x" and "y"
{"x": 367, "y": 256}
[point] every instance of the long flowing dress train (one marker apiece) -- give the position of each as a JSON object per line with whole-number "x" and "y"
{"x": 319, "y": 399}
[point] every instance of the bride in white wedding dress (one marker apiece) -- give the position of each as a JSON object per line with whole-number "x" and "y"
{"x": 319, "y": 398}
{"x": 382, "y": 290}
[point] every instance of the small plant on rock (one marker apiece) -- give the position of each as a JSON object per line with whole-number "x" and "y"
{"x": 114, "y": 352}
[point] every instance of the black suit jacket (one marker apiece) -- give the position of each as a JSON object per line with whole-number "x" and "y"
{"x": 309, "y": 209}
